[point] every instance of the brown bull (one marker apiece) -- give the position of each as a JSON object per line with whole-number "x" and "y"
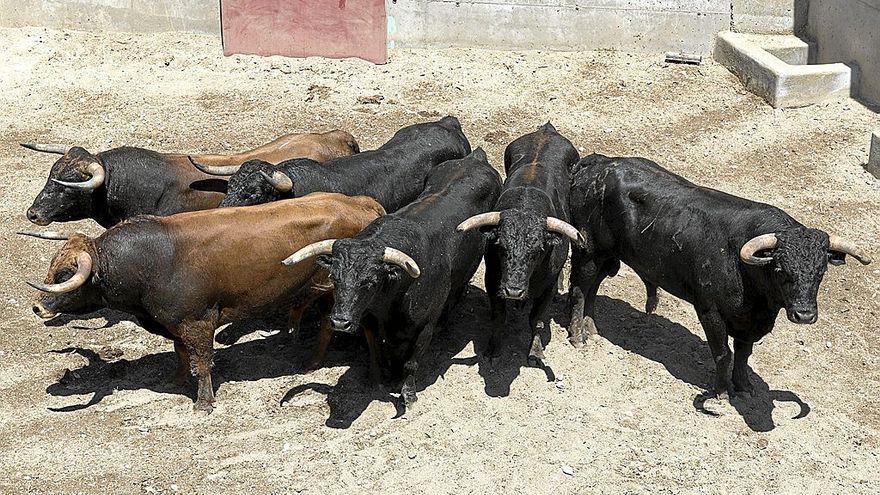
{"x": 117, "y": 184}
{"x": 184, "y": 275}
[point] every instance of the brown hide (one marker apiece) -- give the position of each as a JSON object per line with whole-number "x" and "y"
{"x": 320, "y": 147}
{"x": 191, "y": 272}
{"x": 232, "y": 256}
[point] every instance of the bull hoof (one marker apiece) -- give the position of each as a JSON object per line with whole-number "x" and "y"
{"x": 577, "y": 341}
{"x": 535, "y": 360}
{"x": 203, "y": 408}
{"x": 409, "y": 398}
{"x": 651, "y": 305}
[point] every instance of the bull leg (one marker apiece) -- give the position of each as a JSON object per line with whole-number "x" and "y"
{"x": 538, "y": 317}
{"x": 198, "y": 337}
{"x": 293, "y": 321}
{"x": 585, "y": 282}
{"x": 182, "y": 375}
{"x": 324, "y": 335}
{"x": 652, "y": 299}
{"x": 741, "y": 352}
{"x": 375, "y": 352}
{"x": 411, "y": 367}
{"x": 716, "y": 336}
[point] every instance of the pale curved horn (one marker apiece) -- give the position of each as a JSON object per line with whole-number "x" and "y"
{"x": 568, "y": 230}
{"x": 402, "y": 260}
{"x": 758, "y": 243}
{"x": 48, "y": 235}
{"x": 279, "y": 180}
{"x": 481, "y": 220}
{"x": 846, "y": 246}
{"x": 97, "y": 178}
{"x": 58, "y": 149}
{"x": 83, "y": 269}
{"x": 220, "y": 170}
{"x": 313, "y": 249}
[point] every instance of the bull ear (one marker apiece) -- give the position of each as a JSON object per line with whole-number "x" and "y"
{"x": 394, "y": 272}
{"x": 836, "y": 258}
{"x": 553, "y": 239}
{"x": 324, "y": 261}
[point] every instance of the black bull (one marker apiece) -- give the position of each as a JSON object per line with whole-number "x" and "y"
{"x": 737, "y": 261}
{"x": 394, "y": 174}
{"x": 399, "y": 274}
{"x": 528, "y": 231}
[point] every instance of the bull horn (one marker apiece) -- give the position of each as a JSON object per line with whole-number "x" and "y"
{"x": 58, "y": 149}
{"x": 759, "y": 243}
{"x": 83, "y": 269}
{"x": 481, "y": 220}
{"x": 846, "y": 246}
{"x": 279, "y": 180}
{"x": 402, "y": 260}
{"x": 220, "y": 170}
{"x": 313, "y": 249}
{"x": 48, "y": 235}
{"x": 568, "y": 230}
{"x": 95, "y": 170}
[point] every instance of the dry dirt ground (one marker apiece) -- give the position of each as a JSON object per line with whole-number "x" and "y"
{"x": 84, "y": 402}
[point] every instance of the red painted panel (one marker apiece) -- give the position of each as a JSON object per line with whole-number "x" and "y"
{"x": 302, "y": 28}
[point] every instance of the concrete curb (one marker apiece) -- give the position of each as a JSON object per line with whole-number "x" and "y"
{"x": 873, "y": 165}
{"x": 774, "y": 68}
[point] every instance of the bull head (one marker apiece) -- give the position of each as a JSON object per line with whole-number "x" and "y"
{"x": 67, "y": 287}
{"x": 359, "y": 271}
{"x": 523, "y": 238}
{"x": 67, "y": 194}
{"x": 799, "y": 257}
{"x": 257, "y": 182}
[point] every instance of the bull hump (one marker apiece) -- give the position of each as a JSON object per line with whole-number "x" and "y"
{"x": 533, "y": 167}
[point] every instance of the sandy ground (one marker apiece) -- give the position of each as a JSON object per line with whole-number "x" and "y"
{"x": 85, "y": 406}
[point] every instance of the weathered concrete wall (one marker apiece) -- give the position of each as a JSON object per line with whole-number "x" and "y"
{"x": 848, "y": 31}
{"x": 628, "y": 25}
{"x": 114, "y": 15}
{"x": 764, "y": 16}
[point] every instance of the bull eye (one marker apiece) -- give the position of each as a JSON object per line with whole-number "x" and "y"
{"x": 63, "y": 275}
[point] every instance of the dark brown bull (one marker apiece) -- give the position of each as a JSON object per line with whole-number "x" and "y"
{"x": 184, "y": 275}
{"x": 117, "y": 184}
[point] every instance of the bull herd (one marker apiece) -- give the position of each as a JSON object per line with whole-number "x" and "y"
{"x": 384, "y": 242}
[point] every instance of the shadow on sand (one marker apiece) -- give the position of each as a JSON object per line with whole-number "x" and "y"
{"x": 687, "y": 358}
{"x": 682, "y": 353}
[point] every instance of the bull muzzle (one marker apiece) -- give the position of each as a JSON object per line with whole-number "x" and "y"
{"x": 342, "y": 324}
{"x": 42, "y": 311}
{"x": 36, "y": 218}
{"x": 514, "y": 293}
{"x": 803, "y": 316}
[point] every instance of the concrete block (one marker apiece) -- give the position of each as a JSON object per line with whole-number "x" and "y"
{"x": 873, "y": 165}
{"x": 781, "y": 84}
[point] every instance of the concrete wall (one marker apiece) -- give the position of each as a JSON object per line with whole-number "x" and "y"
{"x": 848, "y": 31}
{"x": 628, "y": 25}
{"x": 764, "y": 16}
{"x": 114, "y": 15}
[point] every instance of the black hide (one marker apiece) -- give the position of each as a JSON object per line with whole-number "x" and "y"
{"x": 394, "y": 174}
{"x": 402, "y": 310}
{"x": 523, "y": 259}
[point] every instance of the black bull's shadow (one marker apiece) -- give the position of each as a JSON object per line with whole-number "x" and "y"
{"x": 651, "y": 336}
{"x": 681, "y": 353}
